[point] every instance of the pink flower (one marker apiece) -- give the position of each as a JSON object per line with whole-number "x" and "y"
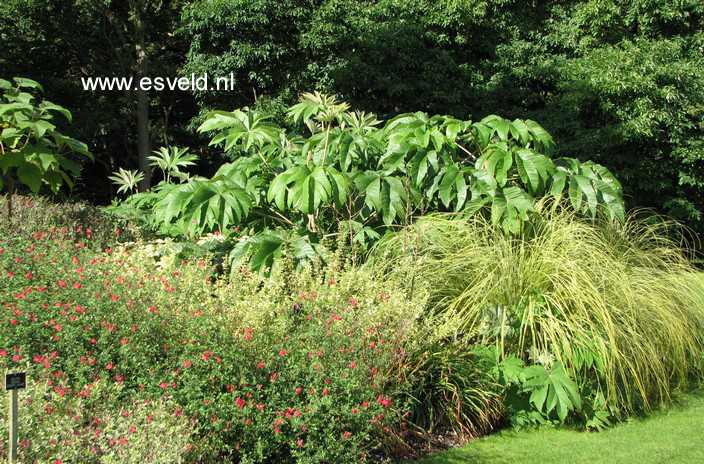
{"x": 300, "y": 443}
{"x": 347, "y": 434}
{"x": 109, "y": 367}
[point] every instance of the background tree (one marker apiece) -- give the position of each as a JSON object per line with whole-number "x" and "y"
{"x": 106, "y": 38}
{"x": 617, "y": 81}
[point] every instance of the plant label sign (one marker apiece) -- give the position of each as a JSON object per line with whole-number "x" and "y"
{"x": 15, "y": 380}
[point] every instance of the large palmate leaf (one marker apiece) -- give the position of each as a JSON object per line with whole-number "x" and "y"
{"x": 383, "y": 194}
{"x": 171, "y": 160}
{"x": 590, "y": 187}
{"x": 324, "y": 108}
{"x": 261, "y": 251}
{"x": 453, "y": 187}
{"x": 419, "y": 145}
{"x": 497, "y": 161}
{"x": 249, "y": 128}
{"x": 201, "y": 205}
{"x": 553, "y": 390}
{"x": 527, "y": 134}
{"x": 303, "y": 189}
{"x": 511, "y": 207}
{"x": 534, "y": 170}
{"x": 126, "y": 180}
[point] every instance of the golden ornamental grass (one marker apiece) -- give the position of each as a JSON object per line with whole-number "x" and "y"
{"x": 623, "y": 294}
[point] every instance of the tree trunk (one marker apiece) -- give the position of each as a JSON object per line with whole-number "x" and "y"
{"x": 142, "y": 104}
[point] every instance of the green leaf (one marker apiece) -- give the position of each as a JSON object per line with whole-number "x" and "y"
{"x": 552, "y": 390}
{"x": 392, "y": 192}
{"x": 28, "y": 83}
{"x": 498, "y": 163}
{"x": 277, "y": 190}
{"x": 372, "y": 192}
{"x": 340, "y": 185}
{"x": 47, "y": 160}
{"x": 12, "y": 159}
{"x": 535, "y": 170}
{"x": 446, "y": 192}
{"x": 49, "y": 106}
{"x": 510, "y": 209}
{"x": 30, "y": 175}
{"x": 522, "y": 130}
{"x": 542, "y": 138}
{"x": 502, "y": 129}
{"x": 461, "y": 186}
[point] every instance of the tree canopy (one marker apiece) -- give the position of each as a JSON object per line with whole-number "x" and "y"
{"x": 616, "y": 81}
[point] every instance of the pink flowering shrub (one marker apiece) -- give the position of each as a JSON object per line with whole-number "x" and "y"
{"x": 307, "y": 365}
{"x": 87, "y": 423}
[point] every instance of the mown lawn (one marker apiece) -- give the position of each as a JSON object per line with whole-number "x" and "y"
{"x": 672, "y": 436}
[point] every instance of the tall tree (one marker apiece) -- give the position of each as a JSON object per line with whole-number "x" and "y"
{"x": 108, "y": 38}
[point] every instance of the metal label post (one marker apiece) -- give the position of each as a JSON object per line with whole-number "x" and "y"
{"x": 14, "y": 381}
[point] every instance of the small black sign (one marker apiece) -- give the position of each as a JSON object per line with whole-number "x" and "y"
{"x": 15, "y": 381}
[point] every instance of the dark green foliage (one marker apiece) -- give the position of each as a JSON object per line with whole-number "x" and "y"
{"x": 616, "y": 82}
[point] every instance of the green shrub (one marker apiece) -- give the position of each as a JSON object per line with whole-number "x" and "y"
{"x": 618, "y": 305}
{"x": 34, "y": 215}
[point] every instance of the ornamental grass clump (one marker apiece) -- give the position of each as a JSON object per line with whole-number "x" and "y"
{"x": 619, "y": 305}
